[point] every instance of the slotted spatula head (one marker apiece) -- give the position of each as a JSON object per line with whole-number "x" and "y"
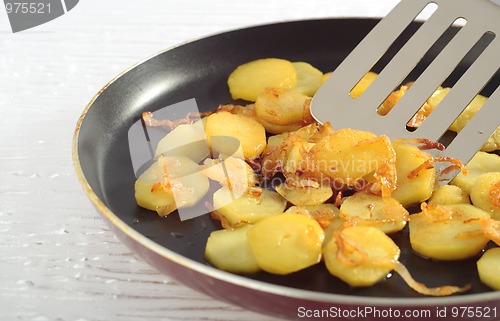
{"x": 333, "y": 102}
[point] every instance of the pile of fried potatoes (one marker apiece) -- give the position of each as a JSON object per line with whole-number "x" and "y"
{"x": 293, "y": 193}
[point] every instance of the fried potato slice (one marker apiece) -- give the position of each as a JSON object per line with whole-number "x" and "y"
{"x": 228, "y": 250}
{"x": 170, "y": 183}
{"x": 423, "y": 111}
{"x": 384, "y": 213}
{"x": 250, "y": 79}
{"x": 363, "y": 84}
{"x": 469, "y": 112}
{"x": 234, "y": 209}
{"x": 486, "y": 194}
{"x": 227, "y": 133}
{"x": 232, "y": 172}
{"x": 480, "y": 164}
{"x": 360, "y": 87}
{"x": 347, "y": 155}
{"x": 185, "y": 140}
{"x": 360, "y": 255}
{"x": 488, "y": 267}
{"x": 304, "y": 195}
{"x": 286, "y": 243}
{"x": 412, "y": 188}
{"x": 308, "y": 78}
{"x": 282, "y": 110}
{"x": 307, "y": 133}
{"x": 449, "y": 194}
{"x": 324, "y": 214}
{"x": 448, "y": 232}
{"x": 493, "y": 142}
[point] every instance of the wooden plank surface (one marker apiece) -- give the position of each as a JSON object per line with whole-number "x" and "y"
{"x": 59, "y": 261}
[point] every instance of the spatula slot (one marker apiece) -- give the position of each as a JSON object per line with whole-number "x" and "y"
{"x": 478, "y": 73}
{"x": 439, "y": 93}
{"x": 400, "y": 41}
{"x": 480, "y": 126}
{"x": 469, "y": 58}
{"x": 403, "y": 38}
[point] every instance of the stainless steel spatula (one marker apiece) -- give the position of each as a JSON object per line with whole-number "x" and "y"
{"x": 334, "y": 104}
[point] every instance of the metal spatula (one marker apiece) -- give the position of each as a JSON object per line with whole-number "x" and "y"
{"x": 334, "y": 104}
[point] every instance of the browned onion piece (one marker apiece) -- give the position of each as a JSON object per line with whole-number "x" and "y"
{"x": 423, "y": 289}
{"x": 190, "y": 118}
{"x": 491, "y": 229}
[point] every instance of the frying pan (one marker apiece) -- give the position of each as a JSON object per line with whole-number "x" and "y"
{"x": 199, "y": 70}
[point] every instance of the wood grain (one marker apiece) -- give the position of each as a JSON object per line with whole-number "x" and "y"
{"x": 59, "y": 261}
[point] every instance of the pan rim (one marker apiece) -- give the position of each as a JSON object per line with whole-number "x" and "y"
{"x": 239, "y": 280}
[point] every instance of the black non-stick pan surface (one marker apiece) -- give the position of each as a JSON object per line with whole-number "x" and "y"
{"x": 199, "y": 70}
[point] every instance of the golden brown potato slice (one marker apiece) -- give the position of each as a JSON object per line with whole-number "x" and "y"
{"x": 306, "y": 133}
{"x": 424, "y": 110}
{"x": 413, "y": 188}
{"x": 227, "y": 133}
{"x": 324, "y": 214}
{"x": 250, "y": 79}
{"x": 308, "y": 78}
{"x": 282, "y": 110}
{"x": 468, "y": 112}
{"x": 289, "y": 157}
{"x": 488, "y": 267}
{"x": 303, "y": 196}
{"x": 286, "y": 243}
{"x": 448, "y": 232}
{"x": 228, "y": 250}
{"x": 237, "y": 208}
{"x": 449, "y": 194}
{"x": 336, "y": 223}
{"x": 360, "y": 255}
{"x": 486, "y": 194}
{"x": 154, "y": 199}
{"x": 185, "y": 140}
{"x": 493, "y": 142}
{"x": 232, "y": 172}
{"x": 347, "y": 155}
{"x": 384, "y": 213}
{"x": 479, "y": 164}
{"x": 360, "y": 87}
{"x": 363, "y": 84}
{"x": 170, "y": 183}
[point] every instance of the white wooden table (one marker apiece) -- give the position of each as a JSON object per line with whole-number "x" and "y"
{"x": 58, "y": 259}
